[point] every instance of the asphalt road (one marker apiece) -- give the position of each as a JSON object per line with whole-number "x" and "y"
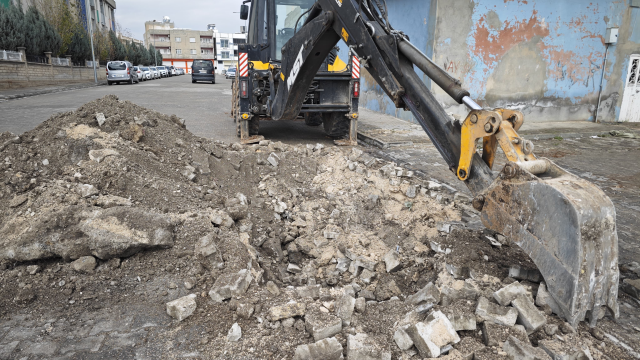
{"x": 206, "y": 108}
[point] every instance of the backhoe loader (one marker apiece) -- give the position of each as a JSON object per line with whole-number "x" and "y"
{"x": 565, "y": 224}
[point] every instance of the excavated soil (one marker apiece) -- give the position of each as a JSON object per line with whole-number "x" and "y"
{"x": 137, "y": 191}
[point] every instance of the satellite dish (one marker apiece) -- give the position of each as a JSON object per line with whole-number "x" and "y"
{"x": 166, "y": 19}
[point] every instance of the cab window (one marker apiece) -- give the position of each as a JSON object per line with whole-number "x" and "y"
{"x": 287, "y": 14}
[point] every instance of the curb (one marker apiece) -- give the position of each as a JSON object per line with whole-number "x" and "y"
{"x": 44, "y": 92}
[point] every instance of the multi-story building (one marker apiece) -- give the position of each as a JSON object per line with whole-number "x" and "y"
{"x": 179, "y": 47}
{"x": 227, "y": 45}
{"x": 102, "y": 12}
{"x": 126, "y": 40}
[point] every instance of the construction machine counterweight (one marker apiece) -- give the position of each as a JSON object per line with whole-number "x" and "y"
{"x": 565, "y": 224}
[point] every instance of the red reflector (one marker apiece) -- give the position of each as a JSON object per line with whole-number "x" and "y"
{"x": 356, "y": 89}
{"x": 243, "y": 89}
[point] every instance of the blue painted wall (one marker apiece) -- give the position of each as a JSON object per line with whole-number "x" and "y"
{"x": 544, "y": 57}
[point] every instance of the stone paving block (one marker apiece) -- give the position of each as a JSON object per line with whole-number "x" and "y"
{"x": 360, "y": 347}
{"x": 528, "y": 315}
{"x": 92, "y": 343}
{"x": 495, "y": 334}
{"x": 321, "y": 325}
{"x": 461, "y": 314}
{"x": 544, "y": 298}
{"x": 228, "y": 285}
{"x": 521, "y": 351}
{"x": 432, "y": 334}
{"x": 309, "y": 291}
{"x": 508, "y": 293}
{"x": 182, "y": 308}
{"x": 286, "y": 311}
{"x": 392, "y": 261}
{"x": 428, "y": 294}
{"x": 496, "y": 313}
{"x": 559, "y": 350}
{"x": 344, "y": 308}
{"x": 402, "y": 339}
{"x": 7, "y": 349}
{"x": 326, "y": 349}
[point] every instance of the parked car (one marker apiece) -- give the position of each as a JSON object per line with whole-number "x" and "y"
{"x": 163, "y": 71}
{"x": 231, "y": 73}
{"x": 203, "y": 70}
{"x": 172, "y": 70}
{"x": 180, "y": 71}
{"x": 121, "y": 71}
{"x": 155, "y": 73}
{"x": 146, "y": 72}
{"x": 139, "y": 73}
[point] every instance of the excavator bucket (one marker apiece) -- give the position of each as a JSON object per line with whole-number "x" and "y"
{"x": 568, "y": 227}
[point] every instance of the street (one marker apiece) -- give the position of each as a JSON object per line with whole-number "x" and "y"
{"x": 204, "y": 106}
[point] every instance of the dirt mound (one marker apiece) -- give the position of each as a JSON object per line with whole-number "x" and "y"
{"x": 293, "y": 244}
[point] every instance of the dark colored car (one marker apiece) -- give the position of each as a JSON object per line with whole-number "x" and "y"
{"x": 203, "y": 70}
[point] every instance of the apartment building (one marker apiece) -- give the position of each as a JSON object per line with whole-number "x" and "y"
{"x": 227, "y": 47}
{"x": 102, "y": 12}
{"x": 179, "y": 47}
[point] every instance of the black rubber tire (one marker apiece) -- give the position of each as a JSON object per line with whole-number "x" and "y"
{"x": 193, "y": 81}
{"x": 109, "y": 83}
{"x": 313, "y": 119}
{"x": 336, "y": 125}
{"x": 213, "y": 82}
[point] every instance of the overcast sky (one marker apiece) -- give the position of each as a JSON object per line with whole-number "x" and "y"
{"x": 190, "y": 14}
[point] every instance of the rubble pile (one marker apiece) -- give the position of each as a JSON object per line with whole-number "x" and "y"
{"x": 272, "y": 250}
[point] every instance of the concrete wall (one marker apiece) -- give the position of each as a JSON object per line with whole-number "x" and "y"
{"x": 543, "y": 57}
{"x": 15, "y": 75}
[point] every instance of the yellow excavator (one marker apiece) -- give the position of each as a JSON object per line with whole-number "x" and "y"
{"x": 565, "y": 224}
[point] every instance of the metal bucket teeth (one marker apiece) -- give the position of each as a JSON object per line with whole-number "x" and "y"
{"x": 568, "y": 227}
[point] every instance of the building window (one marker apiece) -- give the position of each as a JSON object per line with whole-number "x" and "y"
{"x": 192, "y": 40}
{"x": 205, "y": 51}
{"x": 179, "y": 51}
{"x": 206, "y": 40}
{"x": 239, "y": 41}
{"x": 193, "y": 51}
{"x": 225, "y": 54}
{"x": 235, "y": 52}
{"x": 220, "y": 62}
{"x": 178, "y": 39}
{"x": 224, "y": 43}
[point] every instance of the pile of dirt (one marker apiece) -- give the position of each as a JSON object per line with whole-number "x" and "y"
{"x": 294, "y": 244}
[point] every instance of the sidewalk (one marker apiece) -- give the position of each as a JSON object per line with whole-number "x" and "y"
{"x": 40, "y": 90}
{"x": 386, "y": 131}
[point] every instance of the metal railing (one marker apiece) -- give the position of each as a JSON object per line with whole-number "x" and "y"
{"x": 60, "y": 61}
{"x": 10, "y": 55}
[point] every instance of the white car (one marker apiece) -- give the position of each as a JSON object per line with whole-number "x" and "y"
{"x": 154, "y": 72}
{"x": 163, "y": 71}
{"x": 146, "y": 73}
{"x": 140, "y": 73}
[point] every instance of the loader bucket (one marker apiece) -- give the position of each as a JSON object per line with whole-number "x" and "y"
{"x": 568, "y": 227}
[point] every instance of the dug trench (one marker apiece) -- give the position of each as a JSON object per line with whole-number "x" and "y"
{"x": 123, "y": 235}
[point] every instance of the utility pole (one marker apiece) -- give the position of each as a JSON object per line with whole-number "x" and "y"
{"x": 90, "y": 26}
{"x": 155, "y": 51}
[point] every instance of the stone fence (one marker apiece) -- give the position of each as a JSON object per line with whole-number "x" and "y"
{"x": 17, "y": 72}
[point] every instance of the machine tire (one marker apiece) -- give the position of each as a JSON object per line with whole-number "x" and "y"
{"x": 109, "y": 83}
{"x": 313, "y": 119}
{"x": 336, "y": 125}
{"x": 193, "y": 81}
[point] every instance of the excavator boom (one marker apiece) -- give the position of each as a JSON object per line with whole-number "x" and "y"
{"x": 565, "y": 224}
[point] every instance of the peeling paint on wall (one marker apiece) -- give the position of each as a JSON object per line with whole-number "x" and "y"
{"x": 544, "y": 57}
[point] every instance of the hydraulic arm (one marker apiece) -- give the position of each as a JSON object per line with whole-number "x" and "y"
{"x": 565, "y": 224}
